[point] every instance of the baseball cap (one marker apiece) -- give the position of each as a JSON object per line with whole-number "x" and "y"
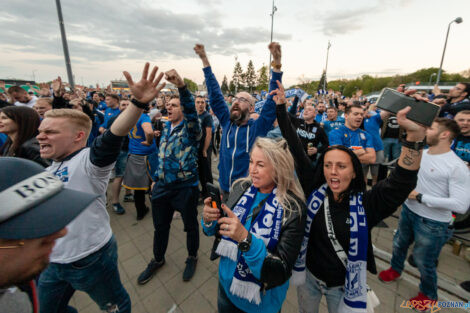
{"x": 34, "y": 202}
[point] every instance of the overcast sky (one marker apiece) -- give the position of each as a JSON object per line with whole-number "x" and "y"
{"x": 377, "y": 37}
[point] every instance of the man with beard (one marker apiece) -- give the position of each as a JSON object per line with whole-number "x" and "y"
{"x": 333, "y": 121}
{"x": 20, "y": 97}
{"x": 31, "y": 198}
{"x": 351, "y": 136}
{"x": 457, "y": 100}
{"x": 321, "y": 115}
{"x": 443, "y": 184}
{"x": 238, "y": 130}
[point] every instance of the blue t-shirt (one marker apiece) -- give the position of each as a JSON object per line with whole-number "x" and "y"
{"x": 331, "y": 125}
{"x": 108, "y": 113}
{"x": 3, "y": 139}
{"x": 350, "y": 138}
{"x": 137, "y": 136}
{"x": 372, "y": 125}
{"x": 320, "y": 117}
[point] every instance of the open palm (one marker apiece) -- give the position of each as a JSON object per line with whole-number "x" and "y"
{"x": 146, "y": 89}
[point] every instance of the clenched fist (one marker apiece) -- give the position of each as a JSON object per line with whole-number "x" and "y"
{"x": 173, "y": 77}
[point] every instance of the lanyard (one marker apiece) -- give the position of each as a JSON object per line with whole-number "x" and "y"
{"x": 331, "y": 234}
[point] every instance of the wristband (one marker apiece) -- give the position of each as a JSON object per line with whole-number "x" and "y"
{"x": 139, "y": 104}
{"x": 419, "y": 197}
{"x": 413, "y": 145}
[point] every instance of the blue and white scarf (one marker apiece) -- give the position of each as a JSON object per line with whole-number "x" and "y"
{"x": 355, "y": 294}
{"x": 266, "y": 226}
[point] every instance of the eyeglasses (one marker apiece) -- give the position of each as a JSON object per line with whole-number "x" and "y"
{"x": 241, "y": 99}
{"x": 18, "y": 245}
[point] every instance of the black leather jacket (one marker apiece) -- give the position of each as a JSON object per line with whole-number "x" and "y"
{"x": 277, "y": 266}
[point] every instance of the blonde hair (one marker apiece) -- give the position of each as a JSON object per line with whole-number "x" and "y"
{"x": 80, "y": 120}
{"x": 278, "y": 154}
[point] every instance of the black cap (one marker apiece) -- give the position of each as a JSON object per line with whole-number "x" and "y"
{"x": 42, "y": 206}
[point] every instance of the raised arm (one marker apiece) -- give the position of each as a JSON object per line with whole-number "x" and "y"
{"x": 143, "y": 91}
{"x": 303, "y": 165}
{"x": 187, "y": 102}
{"x": 266, "y": 119}
{"x": 387, "y": 195}
{"x": 214, "y": 92}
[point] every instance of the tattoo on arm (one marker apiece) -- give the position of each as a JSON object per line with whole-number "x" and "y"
{"x": 410, "y": 156}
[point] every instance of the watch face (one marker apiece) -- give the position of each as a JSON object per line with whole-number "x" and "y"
{"x": 244, "y": 246}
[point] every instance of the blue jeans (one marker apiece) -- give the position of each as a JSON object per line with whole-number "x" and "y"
{"x": 309, "y": 295}
{"x": 392, "y": 148}
{"x": 96, "y": 274}
{"x": 429, "y": 237}
{"x": 224, "y": 304}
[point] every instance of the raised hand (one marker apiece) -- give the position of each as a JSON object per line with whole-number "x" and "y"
{"x": 279, "y": 95}
{"x": 147, "y": 88}
{"x": 200, "y": 51}
{"x": 414, "y": 131}
{"x": 57, "y": 86}
{"x": 173, "y": 77}
{"x": 275, "y": 49}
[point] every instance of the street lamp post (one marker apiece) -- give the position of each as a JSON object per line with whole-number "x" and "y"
{"x": 458, "y": 20}
{"x": 64, "y": 45}
{"x": 274, "y": 9}
{"x": 326, "y": 66}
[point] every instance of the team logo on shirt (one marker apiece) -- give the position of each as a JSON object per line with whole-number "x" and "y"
{"x": 63, "y": 174}
{"x": 363, "y": 137}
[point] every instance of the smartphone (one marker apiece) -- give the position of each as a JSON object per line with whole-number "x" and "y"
{"x": 421, "y": 112}
{"x": 216, "y": 201}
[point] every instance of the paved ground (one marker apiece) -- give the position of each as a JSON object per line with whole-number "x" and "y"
{"x": 166, "y": 292}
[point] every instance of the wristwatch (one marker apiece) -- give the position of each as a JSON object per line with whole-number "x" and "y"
{"x": 245, "y": 244}
{"x": 419, "y": 197}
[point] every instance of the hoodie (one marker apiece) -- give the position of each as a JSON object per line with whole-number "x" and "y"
{"x": 237, "y": 140}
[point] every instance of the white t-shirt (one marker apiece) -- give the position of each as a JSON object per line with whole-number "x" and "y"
{"x": 444, "y": 182}
{"x": 30, "y": 104}
{"x": 90, "y": 230}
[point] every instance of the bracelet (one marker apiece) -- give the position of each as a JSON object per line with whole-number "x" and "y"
{"x": 139, "y": 104}
{"x": 413, "y": 145}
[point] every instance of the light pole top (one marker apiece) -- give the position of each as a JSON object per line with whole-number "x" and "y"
{"x": 458, "y": 20}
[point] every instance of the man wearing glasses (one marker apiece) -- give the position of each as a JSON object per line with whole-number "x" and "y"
{"x": 239, "y": 131}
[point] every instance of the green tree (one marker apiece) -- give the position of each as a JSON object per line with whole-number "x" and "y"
{"x": 250, "y": 77}
{"x": 224, "y": 86}
{"x": 237, "y": 76}
{"x": 263, "y": 78}
{"x": 231, "y": 87}
{"x": 192, "y": 86}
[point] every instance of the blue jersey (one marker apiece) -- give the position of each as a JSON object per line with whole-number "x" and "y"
{"x": 351, "y": 138}
{"x": 137, "y": 136}
{"x": 320, "y": 117}
{"x": 108, "y": 113}
{"x": 331, "y": 125}
{"x": 102, "y": 106}
{"x": 372, "y": 125}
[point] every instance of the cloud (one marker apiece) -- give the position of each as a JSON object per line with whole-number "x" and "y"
{"x": 107, "y": 30}
{"x": 346, "y": 21}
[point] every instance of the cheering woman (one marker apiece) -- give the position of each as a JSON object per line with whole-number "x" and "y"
{"x": 337, "y": 249}
{"x": 261, "y": 234}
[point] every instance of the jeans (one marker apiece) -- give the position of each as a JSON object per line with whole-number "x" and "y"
{"x": 96, "y": 274}
{"x": 309, "y": 295}
{"x": 429, "y": 237}
{"x": 183, "y": 200}
{"x": 224, "y": 305}
{"x": 392, "y": 148}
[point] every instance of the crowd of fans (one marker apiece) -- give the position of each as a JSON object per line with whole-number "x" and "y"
{"x": 297, "y": 202}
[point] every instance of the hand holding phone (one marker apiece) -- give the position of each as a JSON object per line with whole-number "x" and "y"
{"x": 216, "y": 201}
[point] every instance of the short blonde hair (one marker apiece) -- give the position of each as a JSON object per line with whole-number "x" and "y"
{"x": 79, "y": 119}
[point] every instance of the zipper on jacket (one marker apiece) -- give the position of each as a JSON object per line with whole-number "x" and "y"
{"x": 233, "y": 158}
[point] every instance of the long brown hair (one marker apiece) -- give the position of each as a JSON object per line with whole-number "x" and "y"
{"x": 27, "y": 121}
